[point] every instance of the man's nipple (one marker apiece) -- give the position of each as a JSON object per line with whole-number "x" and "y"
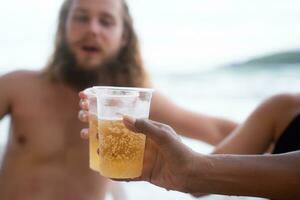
{"x": 21, "y": 140}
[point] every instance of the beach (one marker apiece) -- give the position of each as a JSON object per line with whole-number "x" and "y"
{"x": 188, "y": 53}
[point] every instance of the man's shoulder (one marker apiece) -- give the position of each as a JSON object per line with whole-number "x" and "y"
{"x": 20, "y": 76}
{"x": 20, "y": 80}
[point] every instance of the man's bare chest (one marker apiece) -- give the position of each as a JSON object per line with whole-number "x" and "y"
{"x": 46, "y": 123}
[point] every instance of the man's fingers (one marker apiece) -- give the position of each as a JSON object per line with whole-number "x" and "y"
{"x": 129, "y": 123}
{"x": 84, "y": 104}
{"x": 82, "y": 95}
{"x": 84, "y": 133}
{"x": 83, "y": 116}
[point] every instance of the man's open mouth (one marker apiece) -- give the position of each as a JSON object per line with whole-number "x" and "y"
{"x": 91, "y": 49}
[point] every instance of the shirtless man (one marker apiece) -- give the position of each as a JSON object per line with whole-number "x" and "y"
{"x": 95, "y": 45}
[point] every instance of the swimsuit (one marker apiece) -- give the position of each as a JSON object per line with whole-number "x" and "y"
{"x": 290, "y": 138}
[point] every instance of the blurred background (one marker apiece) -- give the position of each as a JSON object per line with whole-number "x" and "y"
{"x": 220, "y": 57}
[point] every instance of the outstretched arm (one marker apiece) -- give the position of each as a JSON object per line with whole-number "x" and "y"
{"x": 190, "y": 124}
{"x": 177, "y": 167}
{"x": 269, "y": 176}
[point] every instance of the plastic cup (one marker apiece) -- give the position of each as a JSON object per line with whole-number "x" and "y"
{"x": 121, "y": 151}
{"x": 93, "y": 129}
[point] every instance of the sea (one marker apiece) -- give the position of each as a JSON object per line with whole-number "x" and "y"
{"x": 188, "y": 48}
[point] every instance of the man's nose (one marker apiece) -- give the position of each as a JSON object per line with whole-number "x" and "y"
{"x": 94, "y": 26}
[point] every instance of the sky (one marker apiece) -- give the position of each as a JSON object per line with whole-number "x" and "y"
{"x": 174, "y": 34}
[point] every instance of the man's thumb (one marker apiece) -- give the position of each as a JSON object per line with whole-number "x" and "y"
{"x": 144, "y": 126}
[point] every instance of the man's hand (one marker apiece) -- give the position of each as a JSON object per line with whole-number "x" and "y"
{"x": 167, "y": 162}
{"x": 83, "y": 114}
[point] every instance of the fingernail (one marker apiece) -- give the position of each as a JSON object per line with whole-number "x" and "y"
{"x": 83, "y": 134}
{"x": 129, "y": 120}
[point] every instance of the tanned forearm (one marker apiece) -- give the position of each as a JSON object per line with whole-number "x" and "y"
{"x": 208, "y": 129}
{"x": 269, "y": 176}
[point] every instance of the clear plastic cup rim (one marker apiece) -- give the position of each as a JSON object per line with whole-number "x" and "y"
{"x": 134, "y": 89}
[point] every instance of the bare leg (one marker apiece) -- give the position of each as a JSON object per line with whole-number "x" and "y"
{"x": 262, "y": 128}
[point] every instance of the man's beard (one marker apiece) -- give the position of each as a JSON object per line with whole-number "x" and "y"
{"x": 79, "y": 78}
